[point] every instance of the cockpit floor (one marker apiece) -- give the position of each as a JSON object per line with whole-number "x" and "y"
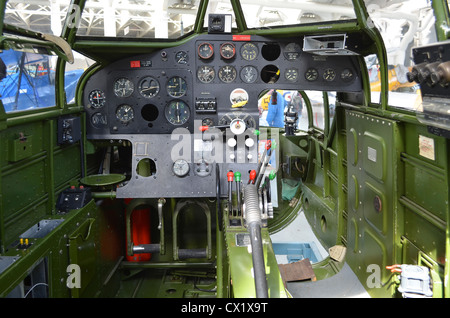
{"x": 343, "y": 284}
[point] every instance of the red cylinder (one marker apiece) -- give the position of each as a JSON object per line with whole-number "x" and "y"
{"x": 140, "y": 232}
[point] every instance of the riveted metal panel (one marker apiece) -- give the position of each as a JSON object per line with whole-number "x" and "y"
{"x": 371, "y": 192}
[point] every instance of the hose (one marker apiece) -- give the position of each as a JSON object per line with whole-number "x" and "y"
{"x": 253, "y": 219}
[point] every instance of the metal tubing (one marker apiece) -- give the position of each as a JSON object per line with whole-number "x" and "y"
{"x": 261, "y": 173}
{"x": 146, "y": 248}
{"x": 253, "y": 219}
{"x": 259, "y": 267}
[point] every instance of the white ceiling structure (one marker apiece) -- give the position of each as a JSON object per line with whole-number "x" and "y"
{"x": 174, "y": 18}
{"x": 130, "y": 18}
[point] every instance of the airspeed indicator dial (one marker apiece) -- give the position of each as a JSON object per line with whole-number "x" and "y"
{"x": 123, "y": 87}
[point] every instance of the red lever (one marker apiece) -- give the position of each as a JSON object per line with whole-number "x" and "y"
{"x": 230, "y": 176}
{"x": 268, "y": 144}
{"x": 203, "y": 128}
{"x": 253, "y": 175}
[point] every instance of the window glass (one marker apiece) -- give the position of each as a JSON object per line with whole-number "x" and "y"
{"x": 73, "y": 73}
{"x": 28, "y": 80}
{"x": 263, "y": 14}
{"x": 316, "y": 99}
{"x": 331, "y": 105}
{"x": 403, "y": 25}
{"x": 44, "y": 16}
{"x": 274, "y": 104}
{"x": 138, "y": 18}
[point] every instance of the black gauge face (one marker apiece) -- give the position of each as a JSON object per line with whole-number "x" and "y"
{"x": 125, "y": 113}
{"x": 329, "y": 75}
{"x": 227, "y": 74}
{"x": 205, "y": 51}
{"x": 97, "y": 98}
{"x": 249, "y": 74}
{"x": 347, "y": 75}
{"x": 207, "y": 122}
{"x": 99, "y": 120}
{"x": 177, "y": 112}
{"x": 311, "y": 75}
{"x": 249, "y": 51}
{"x": 148, "y": 87}
{"x": 292, "y": 51}
{"x": 182, "y": 57}
{"x": 176, "y": 86}
{"x": 206, "y": 74}
{"x": 291, "y": 74}
{"x": 227, "y": 50}
{"x": 123, "y": 87}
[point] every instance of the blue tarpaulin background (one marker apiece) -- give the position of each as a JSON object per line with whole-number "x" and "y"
{"x": 37, "y": 81}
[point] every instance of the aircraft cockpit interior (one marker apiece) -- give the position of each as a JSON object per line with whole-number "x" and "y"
{"x": 224, "y": 149}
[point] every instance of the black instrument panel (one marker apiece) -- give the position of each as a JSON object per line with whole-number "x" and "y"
{"x": 205, "y": 80}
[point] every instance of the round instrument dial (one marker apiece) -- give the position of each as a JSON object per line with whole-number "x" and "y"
{"x": 206, "y": 74}
{"x": 123, "y": 87}
{"x": 97, "y": 98}
{"x": 176, "y": 86}
{"x": 249, "y": 74}
{"x": 125, "y": 113}
{"x": 347, "y": 75}
{"x": 249, "y": 51}
{"x": 99, "y": 120}
{"x": 291, "y": 74}
{"x": 227, "y": 74}
{"x": 205, "y": 51}
{"x": 207, "y": 122}
{"x": 180, "y": 168}
{"x": 227, "y": 50}
{"x": 177, "y": 112}
{"x": 149, "y": 87}
{"x": 311, "y": 75}
{"x": 292, "y": 51}
{"x": 329, "y": 75}
{"x": 182, "y": 57}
